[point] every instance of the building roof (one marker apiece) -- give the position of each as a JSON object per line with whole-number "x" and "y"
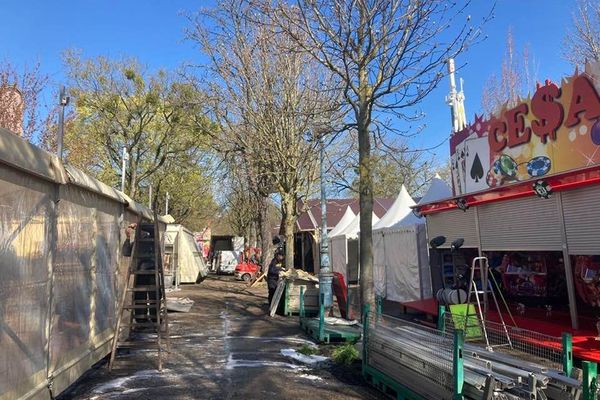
{"x": 310, "y": 211}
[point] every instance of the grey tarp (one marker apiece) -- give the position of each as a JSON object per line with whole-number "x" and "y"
{"x": 186, "y": 260}
{"x": 62, "y": 270}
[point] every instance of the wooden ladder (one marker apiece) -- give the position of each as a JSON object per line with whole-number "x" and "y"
{"x": 147, "y": 309}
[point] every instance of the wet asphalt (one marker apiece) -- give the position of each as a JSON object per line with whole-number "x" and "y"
{"x": 226, "y": 347}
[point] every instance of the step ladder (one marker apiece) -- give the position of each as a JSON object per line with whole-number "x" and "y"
{"x": 146, "y": 310}
{"x": 487, "y": 288}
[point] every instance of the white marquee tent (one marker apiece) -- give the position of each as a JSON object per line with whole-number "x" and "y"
{"x": 438, "y": 190}
{"x": 400, "y": 209}
{"x": 338, "y": 244}
{"x": 401, "y": 262}
{"x": 343, "y": 222}
{"x": 183, "y": 258}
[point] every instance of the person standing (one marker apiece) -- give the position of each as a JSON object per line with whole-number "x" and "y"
{"x": 275, "y": 267}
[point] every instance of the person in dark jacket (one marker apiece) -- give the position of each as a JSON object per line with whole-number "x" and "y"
{"x": 275, "y": 267}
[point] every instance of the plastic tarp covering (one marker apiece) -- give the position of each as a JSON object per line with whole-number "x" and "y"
{"x": 62, "y": 269}
{"x": 191, "y": 265}
{"x": 24, "y": 156}
{"x": 107, "y": 260}
{"x": 80, "y": 178}
{"x": 401, "y": 264}
{"x": 25, "y": 208}
{"x": 339, "y": 256}
{"x": 84, "y": 272}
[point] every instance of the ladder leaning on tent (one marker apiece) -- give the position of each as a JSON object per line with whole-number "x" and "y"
{"x": 147, "y": 309}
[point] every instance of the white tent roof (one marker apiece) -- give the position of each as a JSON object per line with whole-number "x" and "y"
{"x": 398, "y": 210}
{"x": 410, "y": 219}
{"x": 343, "y": 222}
{"x": 354, "y": 226}
{"x": 438, "y": 190}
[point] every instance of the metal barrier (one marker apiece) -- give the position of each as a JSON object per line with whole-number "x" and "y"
{"x": 534, "y": 346}
{"x": 412, "y": 361}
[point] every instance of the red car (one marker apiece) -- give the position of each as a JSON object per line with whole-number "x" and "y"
{"x": 246, "y": 271}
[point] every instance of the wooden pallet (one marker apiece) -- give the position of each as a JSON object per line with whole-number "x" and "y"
{"x": 330, "y": 333}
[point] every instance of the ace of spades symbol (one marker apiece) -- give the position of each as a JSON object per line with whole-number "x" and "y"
{"x": 477, "y": 163}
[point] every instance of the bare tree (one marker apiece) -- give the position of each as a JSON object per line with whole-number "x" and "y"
{"x": 388, "y": 55}
{"x": 515, "y": 79}
{"x": 582, "y": 43}
{"x": 271, "y": 103}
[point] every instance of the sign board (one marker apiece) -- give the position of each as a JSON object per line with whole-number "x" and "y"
{"x": 557, "y": 129}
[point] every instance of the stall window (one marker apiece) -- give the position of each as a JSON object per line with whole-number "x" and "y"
{"x": 533, "y": 278}
{"x": 586, "y": 271}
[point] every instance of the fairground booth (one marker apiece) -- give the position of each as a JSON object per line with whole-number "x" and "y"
{"x": 526, "y": 183}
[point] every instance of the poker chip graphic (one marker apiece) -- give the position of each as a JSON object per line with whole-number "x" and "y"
{"x": 542, "y": 189}
{"x": 508, "y": 166}
{"x": 596, "y": 133}
{"x": 496, "y": 167}
{"x": 539, "y": 166}
{"x": 493, "y": 179}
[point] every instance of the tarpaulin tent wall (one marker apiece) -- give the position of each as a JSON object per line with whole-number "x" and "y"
{"x": 398, "y": 252}
{"x": 339, "y": 248}
{"x": 401, "y": 262}
{"x": 62, "y": 269}
{"x": 186, "y": 260}
{"x": 337, "y": 251}
{"x": 401, "y": 269}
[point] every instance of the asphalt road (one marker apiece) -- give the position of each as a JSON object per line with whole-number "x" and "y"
{"x": 227, "y": 347}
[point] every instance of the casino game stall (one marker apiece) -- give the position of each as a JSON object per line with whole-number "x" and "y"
{"x": 526, "y": 183}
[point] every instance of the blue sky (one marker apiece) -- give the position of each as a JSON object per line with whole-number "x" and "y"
{"x": 153, "y": 32}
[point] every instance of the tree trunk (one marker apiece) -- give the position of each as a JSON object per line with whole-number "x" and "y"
{"x": 288, "y": 219}
{"x": 252, "y": 238}
{"x": 265, "y": 232}
{"x": 366, "y": 210}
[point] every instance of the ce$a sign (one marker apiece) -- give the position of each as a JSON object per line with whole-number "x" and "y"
{"x": 509, "y": 128}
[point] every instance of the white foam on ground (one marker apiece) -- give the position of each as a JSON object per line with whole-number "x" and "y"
{"x": 312, "y": 360}
{"x": 118, "y": 384}
{"x": 310, "y": 377}
{"x": 232, "y": 364}
{"x": 291, "y": 339}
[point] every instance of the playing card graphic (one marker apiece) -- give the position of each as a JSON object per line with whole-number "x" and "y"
{"x": 477, "y": 160}
{"x": 458, "y": 168}
{"x": 476, "y": 169}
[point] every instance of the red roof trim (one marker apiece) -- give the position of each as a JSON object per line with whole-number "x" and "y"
{"x": 565, "y": 181}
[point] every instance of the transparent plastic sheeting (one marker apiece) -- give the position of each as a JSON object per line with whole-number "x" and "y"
{"x": 338, "y": 255}
{"x": 55, "y": 310}
{"x": 400, "y": 264}
{"x": 25, "y": 206}
{"x": 191, "y": 264}
{"x": 84, "y": 274}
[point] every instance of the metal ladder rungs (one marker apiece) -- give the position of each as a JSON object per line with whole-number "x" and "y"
{"x": 140, "y": 306}
{"x": 139, "y": 344}
{"x": 144, "y": 272}
{"x": 142, "y": 289}
{"x": 139, "y": 324}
